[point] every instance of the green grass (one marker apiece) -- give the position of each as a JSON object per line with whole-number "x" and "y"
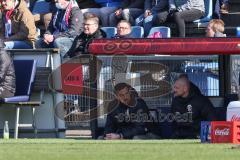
{"x": 70, "y": 149}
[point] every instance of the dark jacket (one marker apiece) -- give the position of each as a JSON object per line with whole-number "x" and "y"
{"x": 156, "y": 5}
{"x": 81, "y": 43}
{"x": 132, "y": 4}
{"x": 87, "y": 4}
{"x": 75, "y": 21}
{"x": 125, "y": 120}
{"x": 189, "y": 112}
{"x": 7, "y": 73}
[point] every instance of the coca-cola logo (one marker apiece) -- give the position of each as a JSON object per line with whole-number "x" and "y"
{"x": 235, "y": 118}
{"x": 222, "y": 132}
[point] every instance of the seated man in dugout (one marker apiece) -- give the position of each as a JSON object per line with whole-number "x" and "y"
{"x": 127, "y": 116}
{"x": 189, "y": 108}
{"x": 64, "y": 27}
{"x": 18, "y": 29}
{"x": 7, "y": 74}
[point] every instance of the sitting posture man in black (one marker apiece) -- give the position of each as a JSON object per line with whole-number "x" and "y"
{"x": 128, "y": 114}
{"x": 189, "y": 107}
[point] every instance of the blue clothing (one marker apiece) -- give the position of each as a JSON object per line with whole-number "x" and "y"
{"x": 109, "y": 3}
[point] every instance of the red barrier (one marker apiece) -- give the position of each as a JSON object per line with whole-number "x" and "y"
{"x": 170, "y": 46}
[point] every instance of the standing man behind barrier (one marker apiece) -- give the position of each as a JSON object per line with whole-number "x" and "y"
{"x": 65, "y": 25}
{"x": 7, "y": 74}
{"x": 189, "y": 107}
{"x": 18, "y": 25}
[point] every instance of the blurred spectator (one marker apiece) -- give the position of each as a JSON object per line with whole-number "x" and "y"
{"x": 65, "y": 25}
{"x": 215, "y": 28}
{"x": 7, "y": 74}
{"x": 123, "y": 30}
{"x": 186, "y": 11}
{"x": 189, "y": 108}
{"x": 91, "y": 31}
{"x": 18, "y": 25}
{"x": 103, "y": 8}
{"x": 129, "y": 11}
{"x": 220, "y": 7}
{"x": 151, "y": 9}
{"x": 42, "y": 11}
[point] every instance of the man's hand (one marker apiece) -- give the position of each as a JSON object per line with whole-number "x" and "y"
{"x": 112, "y": 136}
{"x": 48, "y": 38}
{"x": 147, "y": 13}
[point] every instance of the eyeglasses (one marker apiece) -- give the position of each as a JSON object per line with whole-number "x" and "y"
{"x": 122, "y": 28}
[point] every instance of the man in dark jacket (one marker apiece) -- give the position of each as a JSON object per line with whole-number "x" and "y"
{"x": 189, "y": 107}
{"x": 65, "y": 25}
{"x": 7, "y": 74}
{"x": 90, "y": 31}
{"x": 129, "y": 10}
{"x": 127, "y": 116}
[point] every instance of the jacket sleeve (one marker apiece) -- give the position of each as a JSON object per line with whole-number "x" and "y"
{"x": 27, "y": 28}
{"x": 208, "y": 111}
{"x": 147, "y": 5}
{"x": 4, "y": 64}
{"x": 138, "y": 127}
{"x": 75, "y": 24}
{"x": 136, "y": 4}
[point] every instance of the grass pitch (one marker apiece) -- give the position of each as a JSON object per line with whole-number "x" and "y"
{"x": 71, "y": 149}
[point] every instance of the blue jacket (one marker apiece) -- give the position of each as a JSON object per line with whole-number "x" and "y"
{"x": 109, "y": 3}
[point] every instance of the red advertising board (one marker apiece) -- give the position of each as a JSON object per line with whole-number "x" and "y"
{"x": 72, "y": 78}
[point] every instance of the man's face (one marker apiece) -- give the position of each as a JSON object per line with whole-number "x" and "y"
{"x": 123, "y": 29}
{"x": 124, "y": 96}
{"x": 179, "y": 89}
{"x": 8, "y": 4}
{"x": 209, "y": 31}
{"x": 90, "y": 27}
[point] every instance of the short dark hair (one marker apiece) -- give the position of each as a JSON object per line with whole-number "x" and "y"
{"x": 121, "y": 86}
